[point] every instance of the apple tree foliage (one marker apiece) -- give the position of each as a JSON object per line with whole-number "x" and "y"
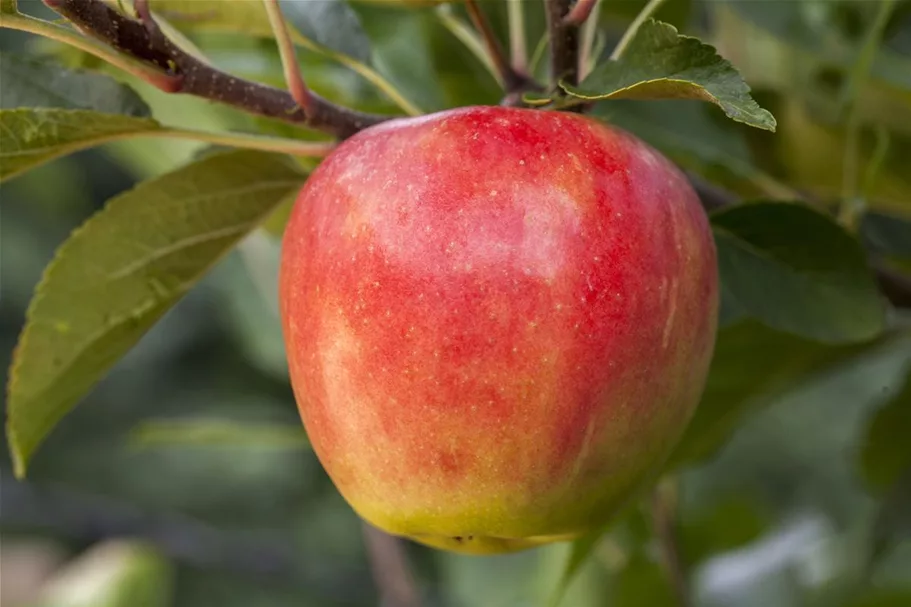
{"x": 793, "y": 120}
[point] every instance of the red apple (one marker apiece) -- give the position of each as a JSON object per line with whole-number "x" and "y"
{"x": 498, "y": 322}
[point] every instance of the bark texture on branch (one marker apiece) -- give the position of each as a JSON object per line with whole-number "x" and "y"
{"x": 190, "y": 76}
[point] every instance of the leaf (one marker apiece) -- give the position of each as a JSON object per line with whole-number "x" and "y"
{"x": 580, "y": 550}
{"x": 752, "y": 365}
{"x": 661, "y": 64}
{"x": 219, "y": 433}
{"x": 31, "y": 137}
{"x": 682, "y": 129}
{"x": 883, "y": 598}
{"x": 893, "y": 521}
{"x": 402, "y": 50}
{"x": 722, "y": 526}
{"x": 32, "y": 82}
{"x": 885, "y": 452}
{"x": 116, "y": 573}
{"x": 887, "y": 235}
{"x": 798, "y": 271}
{"x": 331, "y": 24}
{"x": 122, "y": 270}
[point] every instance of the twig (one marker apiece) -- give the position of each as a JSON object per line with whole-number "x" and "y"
{"x": 286, "y": 51}
{"x": 564, "y": 43}
{"x": 193, "y": 77}
{"x": 513, "y": 81}
{"x": 664, "y": 519}
{"x": 647, "y": 11}
{"x": 390, "y": 569}
{"x": 580, "y": 12}
{"x": 517, "y": 44}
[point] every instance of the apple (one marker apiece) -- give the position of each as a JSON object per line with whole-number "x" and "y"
{"x": 498, "y": 322}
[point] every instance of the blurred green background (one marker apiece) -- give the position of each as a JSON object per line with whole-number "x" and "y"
{"x": 185, "y": 476}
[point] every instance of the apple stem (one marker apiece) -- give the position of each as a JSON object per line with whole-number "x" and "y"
{"x": 145, "y": 41}
{"x": 296, "y": 85}
{"x": 513, "y": 80}
{"x": 564, "y": 43}
{"x": 389, "y": 565}
{"x": 664, "y": 520}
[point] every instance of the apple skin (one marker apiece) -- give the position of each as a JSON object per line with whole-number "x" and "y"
{"x": 498, "y": 322}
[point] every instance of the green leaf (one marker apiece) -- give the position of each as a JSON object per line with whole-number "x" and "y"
{"x": 893, "y": 521}
{"x": 402, "y": 45}
{"x": 682, "y": 129}
{"x": 798, "y": 271}
{"x": 331, "y": 24}
{"x": 886, "y": 451}
{"x": 887, "y": 235}
{"x": 883, "y": 598}
{"x": 33, "y": 82}
{"x": 122, "y": 270}
{"x": 580, "y": 550}
{"x": 661, "y": 64}
{"x": 31, "y": 137}
{"x": 752, "y": 365}
{"x": 642, "y": 583}
{"x": 116, "y": 573}
{"x": 724, "y": 525}
{"x": 218, "y": 433}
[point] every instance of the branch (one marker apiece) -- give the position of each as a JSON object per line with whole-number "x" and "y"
{"x": 146, "y": 42}
{"x": 513, "y": 81}
{"x": 894, "y": 285}
{"x": 564, "y": 43}
{"x": 390, "y": 569}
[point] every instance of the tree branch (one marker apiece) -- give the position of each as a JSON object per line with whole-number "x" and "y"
{"x": 193, "y": 77}
{"x": 564, "y": 43}
{"x": 390, "y": 569}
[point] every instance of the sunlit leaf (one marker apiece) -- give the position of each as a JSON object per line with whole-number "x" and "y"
{"x": 122, "y": 270}
{"x": 112, "y": 574}
{"x": 36, "y": 82}
{"x": 661, "y": 64}
{"x": 798, "y": 271}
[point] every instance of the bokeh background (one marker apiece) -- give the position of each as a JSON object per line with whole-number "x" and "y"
{"x": 186, "y": 472}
